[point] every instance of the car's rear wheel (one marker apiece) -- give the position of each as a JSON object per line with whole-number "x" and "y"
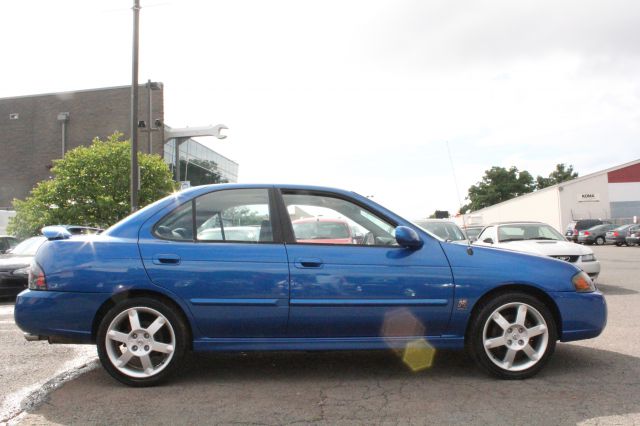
{"x": 599, "y": 241}
{"x": 141, "y": 341}
{"x": 512, "y": 336}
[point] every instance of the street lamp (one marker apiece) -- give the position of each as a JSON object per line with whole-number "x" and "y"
{"x": 135, "y": 178}
{"x": 151, "y": 86}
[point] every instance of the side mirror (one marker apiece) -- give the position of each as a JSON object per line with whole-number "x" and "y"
{"x": 56, "y": 233}
{"x": 407, "y": 237}
{"x": 488, "y": 240}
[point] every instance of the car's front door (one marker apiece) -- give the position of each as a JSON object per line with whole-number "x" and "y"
{"x": 223, "y": 255}
{"x": 364, "y": 285}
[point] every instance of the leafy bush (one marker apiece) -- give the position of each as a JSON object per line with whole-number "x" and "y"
{"x": 90, "y": 186}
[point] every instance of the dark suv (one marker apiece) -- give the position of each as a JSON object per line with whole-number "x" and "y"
{"x": 574, "y": 227}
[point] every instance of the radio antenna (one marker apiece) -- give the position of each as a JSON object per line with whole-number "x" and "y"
{"x": 455, "y": 181}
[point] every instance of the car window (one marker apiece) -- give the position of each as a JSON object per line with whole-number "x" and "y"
{"x": 527, "y": 231}
{"x": 488, "y": 232}
{"x": 240, "y": 215}
{"x": 323, "y": 219}
{"x": 28, "y": 247}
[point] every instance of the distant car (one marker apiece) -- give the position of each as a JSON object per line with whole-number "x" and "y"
{"x": 634, "y": 236}
{"x": 442, "y": 228}
{"x": 14, "y": 266}
{"x": 7, "y": 242}
{"x": 539, "y": 238}
{"x": 574, "y": 227}
{"x": 596, "y": 234}
{"x": 618, "y": 236}
{"x": 472, "y": 232}
{"x": 320, "y": 230}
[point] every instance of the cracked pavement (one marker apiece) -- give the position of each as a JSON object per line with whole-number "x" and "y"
{"x": 589, "y": 382}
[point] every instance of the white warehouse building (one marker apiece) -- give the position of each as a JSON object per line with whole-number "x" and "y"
{"x": 612, "y": 194}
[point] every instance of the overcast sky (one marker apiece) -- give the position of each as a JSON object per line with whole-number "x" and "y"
{"x": 362, "y": 95}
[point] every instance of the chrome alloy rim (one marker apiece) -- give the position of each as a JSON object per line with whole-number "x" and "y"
{"x": 140, "y": 342}
{"x": 515, "y": 336}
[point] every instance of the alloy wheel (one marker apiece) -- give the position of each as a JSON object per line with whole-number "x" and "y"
{"x": 515, "y": 336}
{"x": 140, "y": 342}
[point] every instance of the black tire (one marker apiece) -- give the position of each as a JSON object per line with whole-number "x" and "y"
{"x": 523, "y": 366}
{"x": 618, "y": 244}
{"x": 173, "y": 330}
{"x": 599, "y": 241}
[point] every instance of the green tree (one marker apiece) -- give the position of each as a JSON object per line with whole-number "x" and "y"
{"x": 562, "y": 173}
{"x": 497, "y": 185}
{"x": 90, "y": 186}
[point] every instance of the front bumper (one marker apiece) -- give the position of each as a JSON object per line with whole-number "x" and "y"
{"x": 584, "y": 315}
{"x": 56, "y": 314}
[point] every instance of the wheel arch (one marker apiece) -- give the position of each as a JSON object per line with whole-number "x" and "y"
{"x": 523, "y": 288}
{"x": 130, "y": 294}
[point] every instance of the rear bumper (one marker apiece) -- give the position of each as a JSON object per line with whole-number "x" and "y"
{"x": 633, "y": 240}
{"x": 584, "y": 315}
{"x": 586, "y": 240}
{"x": 57, "y": 314}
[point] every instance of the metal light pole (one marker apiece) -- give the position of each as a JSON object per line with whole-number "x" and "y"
{"x": 135, "y": 177}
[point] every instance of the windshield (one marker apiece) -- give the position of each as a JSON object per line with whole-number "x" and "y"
{"x": 28, "y": 247}
{"x": 528, "y": 231}
{"x": 446, "y": 230}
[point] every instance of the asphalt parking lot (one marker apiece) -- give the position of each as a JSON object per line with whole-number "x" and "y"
{"x": 589, "y": 382}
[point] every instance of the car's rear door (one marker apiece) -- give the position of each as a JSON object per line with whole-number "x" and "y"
{"x": 364, "y": 288}
{"x": 234, "y": 288}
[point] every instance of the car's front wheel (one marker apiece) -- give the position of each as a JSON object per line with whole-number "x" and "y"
{"x": 512, "y": 336}
{"x": 141, "y": 341}
{"x": 599, "y": 241}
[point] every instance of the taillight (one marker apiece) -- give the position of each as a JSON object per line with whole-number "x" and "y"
{"x": 586, "y": 233}
{"x": 615, "y": 233}
{"x": 37, "y": 279}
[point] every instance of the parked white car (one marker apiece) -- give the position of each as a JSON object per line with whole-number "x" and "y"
{"x": 539, "y": 238}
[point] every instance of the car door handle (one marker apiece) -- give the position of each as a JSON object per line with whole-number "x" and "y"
{"x": 166, "y": 259}
{"x": 308, "y": 262}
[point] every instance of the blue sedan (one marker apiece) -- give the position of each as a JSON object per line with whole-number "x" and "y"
{"x": 223, "y": 268}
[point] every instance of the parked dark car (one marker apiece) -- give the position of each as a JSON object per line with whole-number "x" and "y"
{"x": 574, "y": 227}
{"x": 634, "y": 236}
{"x": 7, "y": 242}
{"x": 149, "y": 289}
{"x": 618, "y": 236}
{"x": 596, "y": 234}
{"x": 14, "y": 266}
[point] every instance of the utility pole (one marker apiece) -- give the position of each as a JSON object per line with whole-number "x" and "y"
{"x": 135, "y": 177}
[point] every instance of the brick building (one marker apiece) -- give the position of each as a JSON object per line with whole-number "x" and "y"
{"x": 32, "y": 129}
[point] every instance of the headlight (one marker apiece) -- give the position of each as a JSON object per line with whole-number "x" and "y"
{"x": 588, "y": 257}
{"x": 583, "y": 283}
{"x": 22, "y": 271}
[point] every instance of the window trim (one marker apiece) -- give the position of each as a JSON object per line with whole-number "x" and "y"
{"x": 287, "y": 226}
{"x": 273, "y": 217}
